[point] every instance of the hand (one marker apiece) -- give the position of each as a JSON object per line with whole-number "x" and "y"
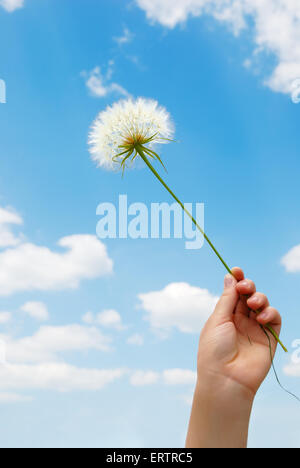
{"x": 232, "y": 343}
{"x": 233, "y": 360}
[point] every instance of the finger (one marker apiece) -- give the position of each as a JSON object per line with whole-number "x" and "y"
{"x": 238, "y": 273}
{"x": 246, "y": 287}
{"x": 269, "y": 315}
{"x": 228, "y": 301}
{"x": 242, "y": 308}
{"x": 258, "y": 301}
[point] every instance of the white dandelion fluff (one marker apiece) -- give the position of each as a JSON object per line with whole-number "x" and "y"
{"x": 119, "y": 132}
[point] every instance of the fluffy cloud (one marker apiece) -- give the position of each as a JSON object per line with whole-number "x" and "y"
{"x": 100, "y": 84}
{"x": 109, "y": 318}
{"x": 179, "y": 377}
{"x": 13, "y": 398}
{"x": 178, "y": 305}
{"x": 11, "y": 5}
{"x": 36, "y": 310}
{"x": 292, "y": 369}
{"x": 172, "y": 377}
{"x": 291, "y": 261}
{"x": 276, "y": 28}
{"x": 46, "y": 344}
{"x": 8, "y": 218}
{"x": 125, "y": 38}
{"x": 143, "y": 378}
{"x": 55, "y": 376}
{"x": 136, "y": 340}
{"x": 33, "y": 363}
{"x": 5, "y": 317}
{"x": 30, "y": 267}
{"x": 170, "y": 13}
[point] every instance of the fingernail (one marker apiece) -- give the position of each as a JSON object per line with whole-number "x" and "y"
{"x": 263, "y": 316}
{"x": 229, "y": 281}
{"x": 244, "y": 283}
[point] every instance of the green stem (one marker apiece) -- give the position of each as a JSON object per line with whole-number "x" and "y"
{"x": 140, "y": 151}
{"x": 268, "y": 327}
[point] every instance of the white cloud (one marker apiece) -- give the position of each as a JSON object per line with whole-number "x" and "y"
{"x": 109, "y": 318}
{"x": 170, "y": 13}
{"x": 136, "y": 340}
{"x": 292, "y": 369}
{"x": 11, "y": 5}
{"x": 36, "y": 310}
{"x": 172, "y": 377}
{"x": 178, "y": 305}
{"x": 14, "y": 398}
{"x": 30, "y": 267}
{"x": 296, "y": 91}
{"x": 291, "y": 261}
{"x": 276, "y": 28}
{"x": 55, "y": 376}
{"x": 144, "y": 378}
{"x": 34, "y": 362}
{"x": 7, "y": 218}
{"x": 5, "y": 317}
{"x": 88, "y": 318}
{"x": 48, "y": 342}
{"x": 100, "y": 84}
{"x": 179, "y": 377}
{"x": 125, "y": 38}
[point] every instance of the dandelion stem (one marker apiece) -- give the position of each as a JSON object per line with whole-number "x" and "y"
{"x": 140, "y": 151}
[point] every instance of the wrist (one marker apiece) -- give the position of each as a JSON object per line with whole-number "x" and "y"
{"x": 221, "y": 413}
{"x": 219, "y": 388}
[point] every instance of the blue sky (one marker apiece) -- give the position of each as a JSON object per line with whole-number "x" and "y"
{"x": 75, "y": 380}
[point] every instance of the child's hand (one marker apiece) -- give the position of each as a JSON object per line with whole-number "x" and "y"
{"x": 232, "y": 343}
{"x": 233, "y": 360}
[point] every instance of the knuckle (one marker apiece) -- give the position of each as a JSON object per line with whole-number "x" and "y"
{"x": 261, "y": 296}
{"x": 251, "y": 284}
{"x": 248, "y": 284}
{"x": 275, "y": 312}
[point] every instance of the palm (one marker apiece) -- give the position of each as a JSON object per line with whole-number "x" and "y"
{"x": 235, "y": 345}
{"x": 252, "y": 360}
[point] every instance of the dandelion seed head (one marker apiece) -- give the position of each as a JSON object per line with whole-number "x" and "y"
{"x": 119, "y": 129}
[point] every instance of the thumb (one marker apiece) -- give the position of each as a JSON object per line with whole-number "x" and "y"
{"x": 228, "y": 301}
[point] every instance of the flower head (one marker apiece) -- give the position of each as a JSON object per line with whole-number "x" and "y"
{"x": 129, "y": 126}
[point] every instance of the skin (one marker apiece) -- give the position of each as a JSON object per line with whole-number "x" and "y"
{"x": 233, "y": 361}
